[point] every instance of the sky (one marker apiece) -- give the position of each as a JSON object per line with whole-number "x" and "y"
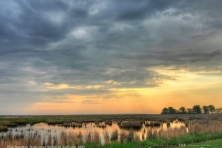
{"x": 109, "y": 56}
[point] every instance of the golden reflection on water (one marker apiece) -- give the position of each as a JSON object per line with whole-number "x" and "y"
{"x": 46, "y": 130}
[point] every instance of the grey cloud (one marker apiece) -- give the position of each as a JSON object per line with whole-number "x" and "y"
{"x": 201, "y": 56}
{"x": 133, "y": 10}
{"x": 89, "y": 43}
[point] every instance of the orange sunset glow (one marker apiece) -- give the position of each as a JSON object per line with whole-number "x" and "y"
{"x": 109, "y": 57}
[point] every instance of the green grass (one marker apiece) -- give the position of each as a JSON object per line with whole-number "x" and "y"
{"x": 190, "y": 140}
{"x": 207, "y": 144}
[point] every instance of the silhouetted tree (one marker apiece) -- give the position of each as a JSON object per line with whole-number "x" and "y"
{"x": 197, "y": 109}
{"x": 211, "y": 108}
{"x": 205, "y": 109}
{"x": 182, "y": 110}
{"x": 218, "y": 110}
{"x": 165, "y": 111}
{"x": 172, "y": 110}
{"x": 189, "y": 110}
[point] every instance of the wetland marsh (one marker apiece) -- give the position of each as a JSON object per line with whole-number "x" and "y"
{"x": 106, "y": 129}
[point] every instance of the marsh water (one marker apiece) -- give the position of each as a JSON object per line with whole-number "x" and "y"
{"x": 46, "y": 130}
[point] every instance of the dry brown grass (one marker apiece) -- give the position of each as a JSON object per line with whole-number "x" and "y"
{"x": 170, "y": 133}
{"x": 153, "y": 123}
{"x": 130, "y": 136}
{"x": 3, "y": 128}
{"x": 123, "y": 137}
{"x": 131, "y": 125}
{"x": 149, "y": 134}
{"x": 20, "y": 140}
{"x": 89, "y": 138}
{"x": 114, "y": 136}
{"x": 195, "y": 125}
{"x": 49, "y": 142}
{"x": 63, "y": 139}
{"x": 96, "y": 138}
{"x": 106, "y": 137}
{"x": 208, "y": 127}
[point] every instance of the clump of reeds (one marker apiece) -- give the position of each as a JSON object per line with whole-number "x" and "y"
{"x": 55, "y": 141}
{"x": 208, "y": 127}
{"x": 123, "y": 137}
{"x": 106, "y": 137}
{"x": 168, "y": 124}
{"x": 3, "y": 128}
{"x": 143, "y": 135}
{"x": 89, "y": 138}
{"x": 21, "y": 140}
{"x": 80, "y": 138}
{"x": 155, "y": 134}
{"x": 153, "y": 123}
{"x": 136, "y": 137}
{"x": 20, "y": 122}
{"x": 149, "y": 134}
{"x": 96, "y": 138}
{"x": 163, "y": 134}
{"x": 131, "y": 125}
{"x": 108, "y": 122}
{"x": 76, "y": 124}
{"x": 130, "y": 136}
{"x": 170, "y": 133}
{"x": 119, "y": 122}
{"x": 9, "y": 136}
{"x": 49, "y": 142}
{"x": 187, "y": 123}
{"x": 63, "y": 139}
{"x": 114, "y": 135}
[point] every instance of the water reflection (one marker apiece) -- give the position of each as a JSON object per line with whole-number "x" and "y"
{"x": 54, "y": 131}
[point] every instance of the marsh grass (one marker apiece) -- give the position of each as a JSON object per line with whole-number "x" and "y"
{"x": 131, "y": 125}
{"x": 123, "y": 137}
{"x": 106, "y": 137}
{"x": 153, "y": 123}
{"x": 108, "y": 122}
{"x": 96, "y": 138}
{"x": 130, "y": 136}
{"x": 149, "y": 134}
{"x": 3, "y": 128}
{"x": 89, "y": 138}
{"x": 20, "y": 140}
{"x": 49, "y": 142}
{"x": 63, "y": 139}
{"x": 200, "y": 128}
{"x": 114, "y": 135}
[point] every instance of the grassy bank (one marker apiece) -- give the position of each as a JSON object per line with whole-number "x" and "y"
{"x": 207, "y": 144}
{"x": 190, "y": 140}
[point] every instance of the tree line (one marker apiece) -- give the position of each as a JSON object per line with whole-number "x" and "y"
{"x": 197, "y": 109}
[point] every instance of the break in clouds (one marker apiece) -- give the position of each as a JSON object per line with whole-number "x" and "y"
{"x": 52, "y": 48}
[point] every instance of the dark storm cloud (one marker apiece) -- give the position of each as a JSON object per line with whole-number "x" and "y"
{"x": 134, "y": 10}
{"x": 86, "y": 43}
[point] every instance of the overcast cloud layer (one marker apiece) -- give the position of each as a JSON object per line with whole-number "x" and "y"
{"x": 53, "y": 48}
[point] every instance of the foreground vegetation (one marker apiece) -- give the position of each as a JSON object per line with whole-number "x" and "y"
{"x": 93, "y": 141}
{"x": 194, "y": 142}
{"x": 200, "y": 128}
{"x": 13, "y": 121}
{"x": 207, "y": 144}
